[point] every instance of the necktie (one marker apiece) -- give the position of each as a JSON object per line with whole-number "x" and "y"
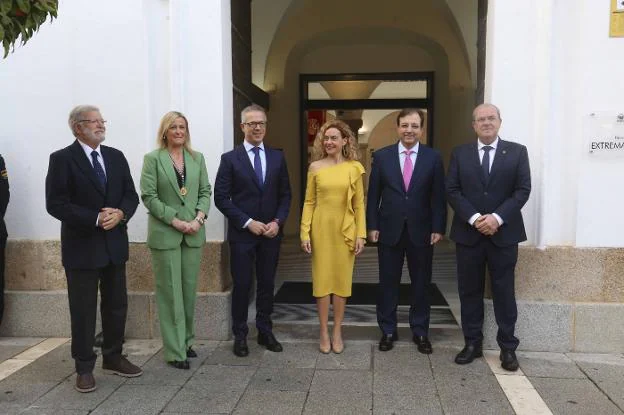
{"x": 408, "y": 169}
{"x": 485, "y": 162}
{"x": 258, "y": 165}
{"x": 99, "y": 171}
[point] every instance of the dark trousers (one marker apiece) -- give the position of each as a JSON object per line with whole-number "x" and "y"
{"x": 501, "y": 262}
{"x": 244, "y": 256}
{"x": 2, "y": 258}
{"x": 82, "y": 289}
{"x": 391, "y": 259}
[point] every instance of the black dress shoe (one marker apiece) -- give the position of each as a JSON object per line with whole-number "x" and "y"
{"x": 190, "y": 352}
{"x": 423, "y": 343}
{"x": 240, "y": 347}
{"x": 509, "y": 361}
{"x": 469, "y": 353}
{"x": 269, "y": 341}
{"x": 180, "y": 364}
{"x": 387, "y": 341}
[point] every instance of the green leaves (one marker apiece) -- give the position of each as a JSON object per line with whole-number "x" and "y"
{"x": 22, "y": 19}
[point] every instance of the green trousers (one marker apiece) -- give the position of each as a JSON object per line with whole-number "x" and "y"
{"x": 175, "y": 272}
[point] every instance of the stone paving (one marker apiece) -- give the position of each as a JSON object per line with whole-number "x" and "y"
{"x": 301, "y": 380}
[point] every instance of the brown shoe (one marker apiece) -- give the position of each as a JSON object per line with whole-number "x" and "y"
{"x": 85, "y": 383}
{"x": 119, "y": 365}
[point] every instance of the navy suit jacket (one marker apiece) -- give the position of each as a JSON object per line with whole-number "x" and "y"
{"x": 504, "y": 193}
{"x": 240, "y": 197}
{"x": 74, "y": 196}
{"x": 422, "y": 207}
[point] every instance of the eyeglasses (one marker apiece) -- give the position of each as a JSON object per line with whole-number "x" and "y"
{"x": 481, "y": 120}
{"x": 103, "y": 122}
{"x": 254, "y": 124}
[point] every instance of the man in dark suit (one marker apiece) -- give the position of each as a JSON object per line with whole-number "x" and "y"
{"x": 406, "y": 215}
{"x": 488, "y": 182}
{"x": 4, "y": 202}
{"x": 252, "y": 190}
{"x": 90, "y": 190}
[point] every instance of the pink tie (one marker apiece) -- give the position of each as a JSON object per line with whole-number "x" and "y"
{"x": 408, "y": 169}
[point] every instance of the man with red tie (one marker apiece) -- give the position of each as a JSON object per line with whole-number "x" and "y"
{"x": 406, "y": 215}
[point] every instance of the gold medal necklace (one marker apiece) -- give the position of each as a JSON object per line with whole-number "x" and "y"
{"x": 180, "y": 171}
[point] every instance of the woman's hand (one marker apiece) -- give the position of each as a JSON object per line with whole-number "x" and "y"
{"x": 180, "y": 225}
{"x": 359, "y": 245}
{"x": 306, "y": 247}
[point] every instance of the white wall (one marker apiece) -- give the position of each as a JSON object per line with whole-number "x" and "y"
{"x": 135, "y": 60}
{"x": 549, "y": 65}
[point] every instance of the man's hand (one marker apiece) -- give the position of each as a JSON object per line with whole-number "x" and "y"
{"x": 436, "y": 237}
{"x": 257, "y": 228}
{"x": 359, "y": 245}
{"x": 487, "y": 224}
{"x": 373, "y": 236}
{"x": 306, "y": 247}
{"x": 108, "y": 218}
{"x": 272, "y": 230}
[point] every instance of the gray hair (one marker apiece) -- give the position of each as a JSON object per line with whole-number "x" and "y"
{"x": 75, "y": 115}
{"x": 486, "y": 105}
{"x": 252, "y": 108}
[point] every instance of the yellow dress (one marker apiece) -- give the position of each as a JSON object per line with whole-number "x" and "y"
{"x": 333, "y": 217}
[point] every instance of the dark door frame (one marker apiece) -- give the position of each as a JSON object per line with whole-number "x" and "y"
{"x": 346, "y": 104}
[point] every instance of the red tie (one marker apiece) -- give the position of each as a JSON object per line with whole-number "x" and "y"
{"x": 408, "y": 169}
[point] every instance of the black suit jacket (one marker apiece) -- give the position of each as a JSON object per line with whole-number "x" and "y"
{"x": 239, "y": 195}
{"x": 422, "y": 207}
{"x": 506, "y": 191}
{"x": 74, "y": 196}
{"x": 4, "y": 198}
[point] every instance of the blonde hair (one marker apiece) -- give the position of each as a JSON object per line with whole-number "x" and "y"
{"x": 349, "y": 151}
{"x": 167, "y": 121}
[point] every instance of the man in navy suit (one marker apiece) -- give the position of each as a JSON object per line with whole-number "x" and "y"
{"x": 406, "y": 215}
{"x": 488, "y": 182}
{"x": 252, "y": 190}
{"x": 90, "y": 190}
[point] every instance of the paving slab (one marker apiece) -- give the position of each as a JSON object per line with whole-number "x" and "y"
{"x": 549, "y": 365}
{"x": 443, "y": 361}
{"x": 340, "y": 391}
{"x": 137, "y": 399}
{"x": 157, "y": 372}
{"x": 17, "y": 394}
{"x": 412, "y": 404}
{"x": 404, "y": 383}
{"x": 281, "y": 379}
{"x": 54, "y": 366}
{"x": 403, "y": 358}
{"x": 300, "y": 355}
{"x": 356, "y": 355}
{"x": 608, "y": 377}
{"x": 213, "y": 389}
{"x": 573, "y": 396}
{"x": 223, "y": 355}
{"x": 285, "y": 402}
{"x": 49, "y": 411}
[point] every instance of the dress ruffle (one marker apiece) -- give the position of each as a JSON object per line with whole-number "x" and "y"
{"x": 349, "y": 230}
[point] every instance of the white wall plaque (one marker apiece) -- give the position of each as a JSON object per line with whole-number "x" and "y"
{"x": 606, "y": 133}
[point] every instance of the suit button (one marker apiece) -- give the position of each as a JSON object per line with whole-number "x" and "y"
{"x": 485, "y": 193}
{"x": 406, "y": 197}
{"x": 183, "y": 202}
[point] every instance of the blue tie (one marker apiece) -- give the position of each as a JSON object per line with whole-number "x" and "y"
{"x": 258, "y": 165}
{"x": 485, "y": 163}
{"x": 99, "y": 171}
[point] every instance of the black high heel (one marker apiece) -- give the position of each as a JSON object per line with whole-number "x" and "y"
{"x": 180, "y": 364}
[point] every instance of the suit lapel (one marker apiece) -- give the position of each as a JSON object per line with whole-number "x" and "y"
{"x": 243, "y": 158}
{"x": 167, "y": 166}
{"x": 85, "y": 165}
{"x": 192, "y": 169}
{"x": 475, "y": 162}
{"x": 396, "y": 167}
{"x": 420, "y": 159}
{"x": 499, "y": 159}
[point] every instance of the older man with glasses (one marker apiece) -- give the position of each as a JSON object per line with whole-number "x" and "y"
{"x": 90, "y": 190}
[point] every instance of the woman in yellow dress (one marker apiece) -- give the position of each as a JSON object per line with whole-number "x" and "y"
{"x": 333, "y": 224}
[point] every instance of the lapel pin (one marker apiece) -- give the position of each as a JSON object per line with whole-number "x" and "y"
{"x": 504, "y": 151}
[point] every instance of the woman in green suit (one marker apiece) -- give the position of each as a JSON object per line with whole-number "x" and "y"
{"x": 176, "y": 192}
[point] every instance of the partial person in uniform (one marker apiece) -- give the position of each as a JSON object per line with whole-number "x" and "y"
{"x": 406, "y": 215}
{"x": 4, "y": 202}
{"x": 176, "y": 192}
{"x": 333, "y": 227}
{"x": 488, "y": 182}
{"x": 90, "y": 190}
{"x": 252, "y": 190}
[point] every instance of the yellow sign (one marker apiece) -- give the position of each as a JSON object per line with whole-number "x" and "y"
{"x": 617, "y": 18}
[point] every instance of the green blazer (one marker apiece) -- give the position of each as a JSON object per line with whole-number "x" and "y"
{"x": 161, "y": 196}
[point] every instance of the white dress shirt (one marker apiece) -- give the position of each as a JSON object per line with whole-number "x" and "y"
{"x": 481, "y": 152}
{"x": 88, "y": 150}
{"x": 402, "y": 155}
{"x": 252, "y": 156}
